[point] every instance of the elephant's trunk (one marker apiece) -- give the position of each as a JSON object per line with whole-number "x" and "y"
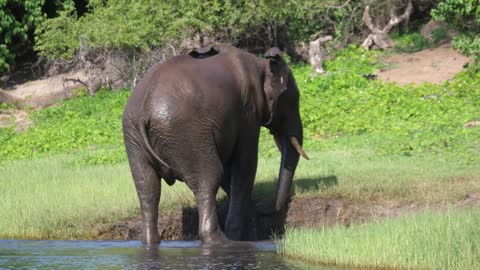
{"x": 288, "y": 165}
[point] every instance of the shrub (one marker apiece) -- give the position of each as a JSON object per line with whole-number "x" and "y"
{"x": 253, "y": 24}
{"x": 17, "y": 19}
{"x": 464, "y": 15}
{"x": 410, "y": 43}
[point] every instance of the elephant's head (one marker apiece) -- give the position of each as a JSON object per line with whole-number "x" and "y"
{"x": 282, "y": 96}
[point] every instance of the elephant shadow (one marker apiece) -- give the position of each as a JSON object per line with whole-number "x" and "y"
{"x": 268, "y": 223}
{"x": 315, "y": 183}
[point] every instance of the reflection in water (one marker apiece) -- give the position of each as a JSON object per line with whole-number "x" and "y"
{"x": 133, "y": 255}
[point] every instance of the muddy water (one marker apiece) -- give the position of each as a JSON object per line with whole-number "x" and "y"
{"x": 132, "y": 255}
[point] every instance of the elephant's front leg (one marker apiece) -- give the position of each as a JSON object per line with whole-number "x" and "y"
{"x": 240, "y": 223}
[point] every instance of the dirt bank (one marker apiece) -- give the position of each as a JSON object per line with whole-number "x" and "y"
{"x": 302, "y": 212}
{"x": 39, "y": 93}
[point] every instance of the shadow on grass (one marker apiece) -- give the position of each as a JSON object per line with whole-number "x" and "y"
{"x": 264, "y": 196}
{"x": 316, "y": 183}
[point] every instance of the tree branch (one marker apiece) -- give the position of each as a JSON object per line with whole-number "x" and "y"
{"x": 368, "y": 20}
{"x": 394, "y": 20}
{"x": 341, "y": 6}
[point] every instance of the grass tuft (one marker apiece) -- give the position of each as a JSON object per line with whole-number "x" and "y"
{"x": 427, "y": 240}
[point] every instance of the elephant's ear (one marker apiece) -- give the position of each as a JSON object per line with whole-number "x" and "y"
{"x": 276, "y": 78}
{"x": 203, "y": 52}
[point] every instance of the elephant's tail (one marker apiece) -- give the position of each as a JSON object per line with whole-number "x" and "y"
{"x": 166, "y": 169}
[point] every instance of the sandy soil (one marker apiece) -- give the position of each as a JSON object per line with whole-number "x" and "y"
{"x": 435, "y": 65}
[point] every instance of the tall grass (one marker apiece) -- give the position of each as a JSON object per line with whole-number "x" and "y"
{"x": 51, "y": 198}
{"x": 422, "y": 241}
{"x": 361, "y": 175}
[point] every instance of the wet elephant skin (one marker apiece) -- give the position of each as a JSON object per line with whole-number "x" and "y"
{"x": 196, "y": 118}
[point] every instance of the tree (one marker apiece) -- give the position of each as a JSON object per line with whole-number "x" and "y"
{"x": 464, "y": 15}
{"x": 17, "y": 20}
{"x": 379, "y": 36}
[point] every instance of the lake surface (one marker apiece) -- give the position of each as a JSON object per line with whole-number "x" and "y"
{"x": 16, "y": 254}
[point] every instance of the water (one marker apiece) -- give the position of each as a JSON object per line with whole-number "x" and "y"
{"x": 133, "y": 255}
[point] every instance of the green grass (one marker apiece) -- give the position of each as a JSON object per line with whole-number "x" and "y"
{"x": 335, "y": 109}
{"x": 362, "y": 175}
{"x": 49, "y": 198}
{"x": 430, "y": 240}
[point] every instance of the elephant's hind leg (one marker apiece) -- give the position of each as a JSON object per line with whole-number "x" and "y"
{"x": 205, "y": 185}
{"x": 147, "y": 184}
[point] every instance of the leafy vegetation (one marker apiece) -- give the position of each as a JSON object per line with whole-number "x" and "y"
{"x": 413, "y": 42}
{"x": 340, "y": 109}
{"x": 464, "y": 15}
{"x": 148, "y": 24}
{"x": 422, "y": 241}
{"x": 397, "y": 120}
{"x": 84, "y": 123}
{"x": 145, "y": 24}
{"x": 17, "y": 18}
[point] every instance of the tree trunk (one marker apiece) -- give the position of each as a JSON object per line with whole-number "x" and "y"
{"x": 317, "y": 54}
{"x": 379, "y": 37}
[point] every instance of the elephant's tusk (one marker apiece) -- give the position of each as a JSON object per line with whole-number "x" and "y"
{"x": 298, "y": 147}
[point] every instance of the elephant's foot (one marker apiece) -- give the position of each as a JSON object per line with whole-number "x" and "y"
{"x": 151, "y": 237}
{"x": 152, "y": 241}
{"x": 214, "y": 239}
{"x": 247, "y": 234}
{"x": 250, "y": 234}
{"x": 234, "y": 234}
{"x": 241, "y": 229}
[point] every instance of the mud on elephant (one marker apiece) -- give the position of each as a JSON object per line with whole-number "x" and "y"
{"x": 196, "y": 118}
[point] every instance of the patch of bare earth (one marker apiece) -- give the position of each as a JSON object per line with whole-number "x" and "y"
{"x": 45, "y": 92}
{"x": 39, "y": 94}
{"x": 16, "y": 118}
{"x": 312, "y": 212}
{"x": 435, "y": 65}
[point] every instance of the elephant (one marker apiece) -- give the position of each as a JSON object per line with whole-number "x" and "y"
{"x": 196, "y": 118}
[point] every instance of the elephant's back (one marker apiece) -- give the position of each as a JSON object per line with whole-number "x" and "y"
{"x": 185, "y": 88}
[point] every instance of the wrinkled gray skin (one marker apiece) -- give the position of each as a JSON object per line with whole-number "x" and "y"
{"x": 196, "y": 118}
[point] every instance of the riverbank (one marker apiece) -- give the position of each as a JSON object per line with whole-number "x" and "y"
{"x": 54, "y": 199}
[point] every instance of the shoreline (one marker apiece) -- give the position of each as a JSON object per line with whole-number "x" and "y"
{"x": 310, "y": 212}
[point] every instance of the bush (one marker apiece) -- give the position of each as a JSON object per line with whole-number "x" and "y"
{"x": 464, "y": 15}
{"x": 252, "y": 24}
{"x": 17, "y": 19}
{"x": 410, "y": 43}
